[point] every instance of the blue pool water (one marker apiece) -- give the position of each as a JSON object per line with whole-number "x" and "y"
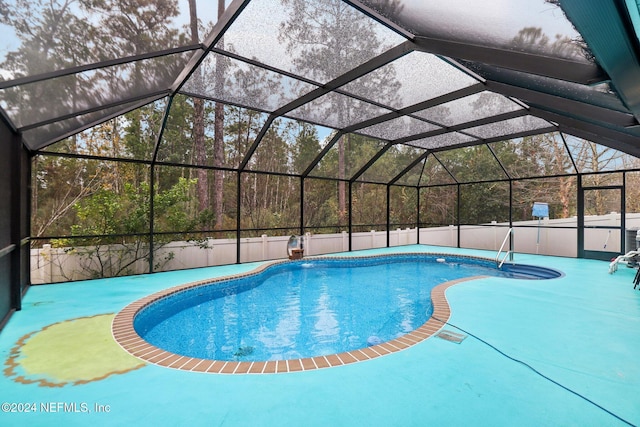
{"x": 306, "y": 308}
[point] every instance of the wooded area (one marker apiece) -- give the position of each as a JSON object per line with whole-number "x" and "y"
{"x": 187, "y": 166}
{"x": 97, "y": 196}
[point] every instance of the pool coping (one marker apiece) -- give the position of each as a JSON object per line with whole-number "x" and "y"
{"x": 124, "y": 334}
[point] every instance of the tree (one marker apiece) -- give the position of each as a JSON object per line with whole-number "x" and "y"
{"x": 538, "y": 156}
{"x": 117, "y": 217}
{"x": 269, "y": 201}
{"x": 403, "y": 206}
{"x": 218, "y": 141}
{"x": 482, "y": 202}
{"x": 133, "y": 27}
{"x": 242, "y": 128}
{"x": 326, "y": 39}
{"x": 307, "y": 146}
{"x": 48, "y": 37}
{"x": 369, "y": 205}
{"x": 141, "y": 131}
{"x": 58, "y": 184}
{"x": 591, "y": 157}
{"x": 532, "y": 38}
{"x": 198, "y": 119}
{"x": 49, "y": 33}
{"x": 177, "y": 142}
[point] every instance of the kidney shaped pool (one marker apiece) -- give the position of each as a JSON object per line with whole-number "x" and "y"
{"x": 307, "y": 308}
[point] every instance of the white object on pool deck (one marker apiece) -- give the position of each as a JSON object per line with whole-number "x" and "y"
{"x": 613, "y": 266}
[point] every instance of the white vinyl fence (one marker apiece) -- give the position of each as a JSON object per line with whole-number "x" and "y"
{"x": 50, "y": 265}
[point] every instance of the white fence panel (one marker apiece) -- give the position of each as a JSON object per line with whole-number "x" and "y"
{"x": 50, "y": 265}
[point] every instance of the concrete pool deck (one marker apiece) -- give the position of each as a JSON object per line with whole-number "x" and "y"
{"x": 538, "y": 352}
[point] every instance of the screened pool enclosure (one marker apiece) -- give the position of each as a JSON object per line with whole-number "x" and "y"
{"x": 162, "y": 135}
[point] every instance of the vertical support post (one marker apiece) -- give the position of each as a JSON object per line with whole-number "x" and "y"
{"x": 458, "y": 216}
{"x": 418, "y": 215}
{"x": 265, "y": 247}
{"x": 302, "y": 206}
{"x": 350, "y": 219}
{"x": 152, "y": 183}
{"x": 18, "y": 190}
{"x": 511, "y": 243}
{"x": 623, "y": 214}
{"x": 25, "y": 233}
{"x": 388, "y": 214}
{"x": 580, "y": 217}
{"x": 238, "y": 200}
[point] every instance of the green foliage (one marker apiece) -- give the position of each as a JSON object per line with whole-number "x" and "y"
{"x": 119, "y": 221}
{"x": 321, "y": 204}
{"x": 306, "y": 147}
{"x": 484, "y": 202}
{"x": 369, "y": 205}
{"x": 438, "y": 205}
{"x": 403, "y": 206}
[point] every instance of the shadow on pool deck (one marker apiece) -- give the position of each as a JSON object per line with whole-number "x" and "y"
{"x": 538, "y": 352}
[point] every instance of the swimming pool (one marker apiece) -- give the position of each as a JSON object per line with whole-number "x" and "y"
{"x": 306, "y": 309}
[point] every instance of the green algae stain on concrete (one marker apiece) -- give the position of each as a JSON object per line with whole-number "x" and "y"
{"x": 75, "y": 351}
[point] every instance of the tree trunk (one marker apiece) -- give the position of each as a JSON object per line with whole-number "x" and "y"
{"x": 198, "y": 121}
{"x": 218, "y": 142}
{"x": 218, "y": 160}
{"x": 201, "y": 153}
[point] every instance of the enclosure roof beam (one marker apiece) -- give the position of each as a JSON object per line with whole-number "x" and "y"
{"x": 606, "y": 27}
{"x": 409, "y": 167}
{"x": 92, "y": 124}
{"x": 462, "y": 126}
{"x": 551, "y": 128}
{"x": 322, "y": 153}
{"x": 351, "y": 75}
{"x": 96, "y": 65}
{"x": 590, "y": 112}
{"x": 163, "y": 125}
{"x": 593, "y": 132}
{"x": 504, "y": 169}
{"x": 451, "y": 96}
{"x": 373, "y": 64}
{"x": 150, "y": 97}
{"x": 381, "y": 19}
{"x": 221, "y": 26}
{"x": 446, "y": 169}
{"x": 371, "y": 161}
{"x": 256, "y": 142}
{"x": 559, "y": 68}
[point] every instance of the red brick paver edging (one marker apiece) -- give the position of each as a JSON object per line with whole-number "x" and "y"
{"x": 125, "y": 334}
